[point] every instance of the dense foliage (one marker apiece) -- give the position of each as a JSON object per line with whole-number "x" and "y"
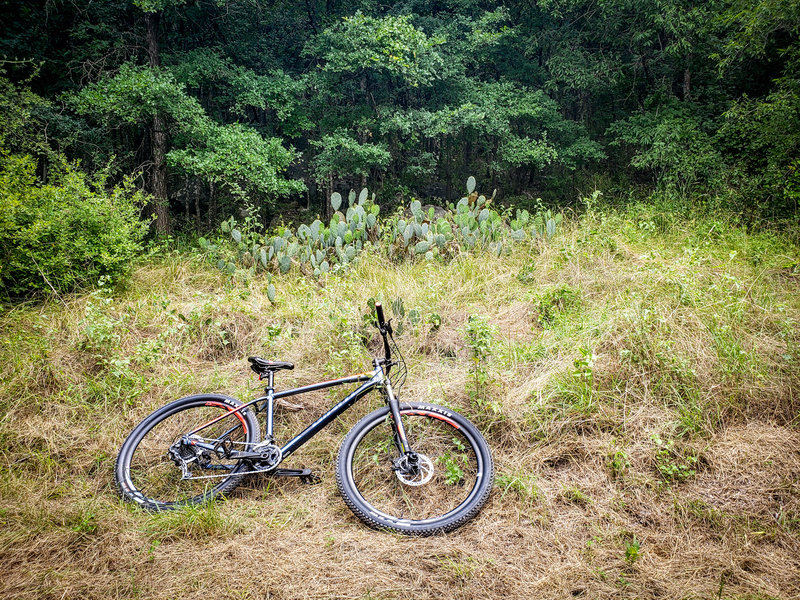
{"x": 247, "y": 106}
{"x": 66, "y": 234}
{"x": 60, "y": 229}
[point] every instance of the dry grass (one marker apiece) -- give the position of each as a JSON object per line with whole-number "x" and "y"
{"x": 646, "y": 435}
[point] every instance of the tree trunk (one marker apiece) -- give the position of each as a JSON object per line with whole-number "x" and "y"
{"x": 212, "y": 204}
{"x": 158, "y": 138}
{"x": 327, "y": 208}
{"x": 197, "y": 214}
{"x": 687, "y": 78}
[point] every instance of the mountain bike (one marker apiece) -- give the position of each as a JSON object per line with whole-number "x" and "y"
{"x": 411, "y": 467}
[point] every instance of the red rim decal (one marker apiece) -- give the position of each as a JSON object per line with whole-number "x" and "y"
{"x": 430, "y": 414}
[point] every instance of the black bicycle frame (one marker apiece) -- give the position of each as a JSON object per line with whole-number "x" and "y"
{"x": 371, "y": 381}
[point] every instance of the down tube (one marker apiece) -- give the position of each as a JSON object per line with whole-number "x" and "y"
{"x": 312, "y": 430}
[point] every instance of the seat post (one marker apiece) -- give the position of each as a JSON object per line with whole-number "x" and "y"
{"x": 270, "y": 404}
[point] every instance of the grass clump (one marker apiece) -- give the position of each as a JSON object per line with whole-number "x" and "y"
{"x": 192, "y": 522}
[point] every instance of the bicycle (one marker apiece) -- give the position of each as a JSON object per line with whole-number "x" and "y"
{"x": 414, "y": 468}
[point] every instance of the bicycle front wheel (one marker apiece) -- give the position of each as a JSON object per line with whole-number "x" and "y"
{"x": 157, "y": 471}
{"x": 452, "y": 482}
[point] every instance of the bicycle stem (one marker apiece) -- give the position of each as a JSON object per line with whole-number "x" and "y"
{"x": 385, "y": 329}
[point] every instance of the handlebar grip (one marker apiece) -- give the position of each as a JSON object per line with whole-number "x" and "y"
{"x": 379, "y": 312}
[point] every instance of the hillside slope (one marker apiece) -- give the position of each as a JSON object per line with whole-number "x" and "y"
{"x": 637, "y": 376}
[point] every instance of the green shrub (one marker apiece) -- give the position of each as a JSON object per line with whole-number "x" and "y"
{"x": 64, "y": 235}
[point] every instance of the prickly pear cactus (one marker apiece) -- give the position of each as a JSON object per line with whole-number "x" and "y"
{"x": 318, "y": 249}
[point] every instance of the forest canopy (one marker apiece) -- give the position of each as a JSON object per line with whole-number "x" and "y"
{"x": 220, "y": 108}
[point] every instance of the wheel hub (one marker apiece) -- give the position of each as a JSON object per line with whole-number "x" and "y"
{"x": 414, "y": 470}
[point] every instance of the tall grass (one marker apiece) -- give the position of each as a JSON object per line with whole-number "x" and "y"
{"x": 637, "y": 377}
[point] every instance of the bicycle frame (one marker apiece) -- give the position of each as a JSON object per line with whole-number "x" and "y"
{"x": 371, "y": 381}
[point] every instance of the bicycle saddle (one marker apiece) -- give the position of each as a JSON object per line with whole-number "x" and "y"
{"x": 260, "y": 365}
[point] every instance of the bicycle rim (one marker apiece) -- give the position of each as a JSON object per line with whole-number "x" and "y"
{"x": 444, "y": 488}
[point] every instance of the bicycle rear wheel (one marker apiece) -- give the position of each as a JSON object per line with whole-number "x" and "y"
{"x": 452, "y": 483}
{"x": 149, "y": 466}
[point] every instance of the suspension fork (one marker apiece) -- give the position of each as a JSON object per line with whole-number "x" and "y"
{"x": 400, "y": 438}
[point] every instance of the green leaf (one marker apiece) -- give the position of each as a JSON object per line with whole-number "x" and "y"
{"x": 408, "y": 233}
{"x": 398, "y": 308}
{"x": 336, "y": 200}
{"x": 422, "y": 247}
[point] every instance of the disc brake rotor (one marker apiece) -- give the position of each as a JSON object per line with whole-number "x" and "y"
{"x": 423, "y": 474}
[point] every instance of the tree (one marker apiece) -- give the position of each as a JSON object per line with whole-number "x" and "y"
{"x": 234, "y": 155}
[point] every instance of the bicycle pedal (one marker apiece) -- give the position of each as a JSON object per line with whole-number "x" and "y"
{"x": 310, "y": 479}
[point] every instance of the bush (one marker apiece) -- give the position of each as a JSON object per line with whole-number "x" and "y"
{"x": 64, "y": 235}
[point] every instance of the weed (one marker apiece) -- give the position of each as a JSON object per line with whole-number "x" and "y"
{"x": 575, "y": 495}
{"x": 702, "y": 512}
{"x": 632, "y": 550}
{"x": 100, "y": 328}
{"x": 555, "y": 304}
{"x": 584, "y": 375}
{"x": 452, "y": 462}
{"x": 480, "y": 338}
{"x": 85, "y": 522}
{"x": 193, "y": 522}
{"x": 461, "y": 567}
{"x": 618, "y": 463}
{"x": 672, "y": 464}
{"x": 523, "y": 486}
{"x": 346, "y": 351}
{"x": 151, "y": 549}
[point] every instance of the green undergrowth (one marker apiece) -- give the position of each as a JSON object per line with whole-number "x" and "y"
{"x": 648, "y": 333}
